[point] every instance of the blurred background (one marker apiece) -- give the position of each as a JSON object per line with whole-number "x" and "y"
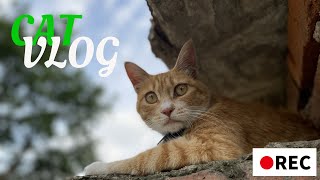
{"x": 53, "y": 122}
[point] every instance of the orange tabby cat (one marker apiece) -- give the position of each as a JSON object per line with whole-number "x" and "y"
{"x": 199, "y": 127}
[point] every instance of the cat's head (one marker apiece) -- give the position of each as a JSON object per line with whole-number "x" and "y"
{"x": 170, "y": 101}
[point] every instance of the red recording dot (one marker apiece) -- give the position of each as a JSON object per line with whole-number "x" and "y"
{"x": 266, "y": 162}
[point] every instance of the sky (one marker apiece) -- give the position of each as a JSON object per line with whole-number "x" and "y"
{"x": 120, "y": 133}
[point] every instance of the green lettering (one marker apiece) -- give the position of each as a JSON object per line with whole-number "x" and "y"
{"x": 46, "y": 19}
{"x": 70, "y": 22}
{"x": 15, "y": 31}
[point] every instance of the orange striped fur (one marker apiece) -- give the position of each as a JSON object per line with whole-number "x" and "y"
{"x": 216, "y": 128}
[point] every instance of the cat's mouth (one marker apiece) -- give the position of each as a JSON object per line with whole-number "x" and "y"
{"x": 170, "y": 121}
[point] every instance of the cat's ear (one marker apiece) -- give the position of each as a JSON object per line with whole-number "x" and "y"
{"x": 136, "y": 74}
{"x": 186, "y": 61}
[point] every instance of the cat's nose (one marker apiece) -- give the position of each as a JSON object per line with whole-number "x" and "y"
{"x": 167, "y": 111}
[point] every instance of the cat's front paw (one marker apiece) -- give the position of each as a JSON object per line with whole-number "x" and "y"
{"x": 97, "y": 168}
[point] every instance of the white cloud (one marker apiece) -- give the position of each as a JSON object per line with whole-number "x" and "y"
{"x": 5, "y": 3}
{"x": 6, "y": 7}
{"x": 109, "y": 5}
{"x": 123, "y": 135}
{"x": 126, "y": 12}
{"x": 40, "y": 7}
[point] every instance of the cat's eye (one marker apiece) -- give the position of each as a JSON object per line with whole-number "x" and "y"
{"x": 151, "y": 97}
{"x": 181, "y": 89}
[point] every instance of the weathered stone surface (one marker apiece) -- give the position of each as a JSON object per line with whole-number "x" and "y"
{"x": 316, "y": 33}
{"x": 235, "y": 169}
{"x": 241, "y": 45}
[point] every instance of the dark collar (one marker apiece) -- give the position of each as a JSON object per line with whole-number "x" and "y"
{"x": 170, "y": 136}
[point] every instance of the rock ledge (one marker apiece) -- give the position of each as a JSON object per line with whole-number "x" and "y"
{"x": 235, "y": 169}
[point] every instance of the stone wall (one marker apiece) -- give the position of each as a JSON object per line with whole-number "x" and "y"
{"x": 236, "y": 169}
{"x": 241, "y": 45}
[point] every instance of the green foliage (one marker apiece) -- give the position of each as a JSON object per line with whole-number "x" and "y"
{"x": 33, "y": 102}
